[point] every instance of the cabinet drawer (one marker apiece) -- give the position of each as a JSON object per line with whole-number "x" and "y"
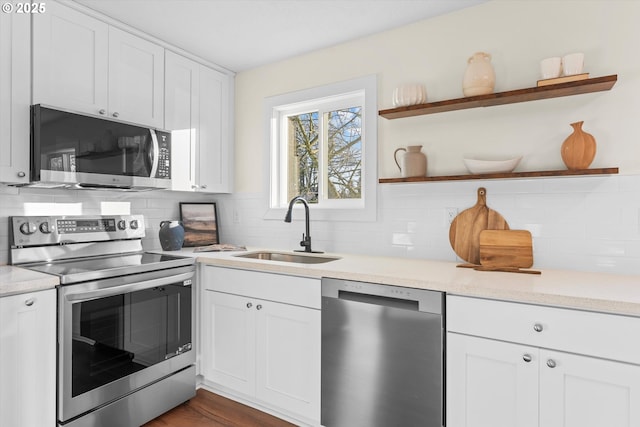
{"x": 602, "y": 335}
{"x": 296, "y": 290}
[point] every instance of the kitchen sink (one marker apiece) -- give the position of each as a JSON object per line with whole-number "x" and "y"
{"x": 300, "y": 258}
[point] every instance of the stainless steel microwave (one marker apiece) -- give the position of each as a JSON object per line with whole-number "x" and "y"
{"x": 74, "y": 150}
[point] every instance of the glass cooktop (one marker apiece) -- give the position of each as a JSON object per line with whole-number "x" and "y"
{"x": 83, "y": 269}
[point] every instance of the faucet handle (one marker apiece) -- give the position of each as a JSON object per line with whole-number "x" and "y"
{"x": 306, "y": 242}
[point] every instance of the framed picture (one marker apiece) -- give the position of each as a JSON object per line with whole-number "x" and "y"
{"x": 200, "y": 221}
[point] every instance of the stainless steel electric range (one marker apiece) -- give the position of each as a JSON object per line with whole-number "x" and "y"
{"x": 125, "y": 317}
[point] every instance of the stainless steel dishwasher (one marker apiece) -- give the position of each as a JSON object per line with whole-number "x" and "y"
{"x": 382, "y": 355}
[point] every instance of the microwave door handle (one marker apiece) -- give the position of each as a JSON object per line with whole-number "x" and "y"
{"x": 123, "y": 289}
{"x": 154, "y": 155}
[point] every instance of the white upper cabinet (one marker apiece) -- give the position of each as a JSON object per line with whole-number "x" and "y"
{"x": 136, "y": 79}
{"x": 181, "y": 117}
{"x": 214, "y": 165}
{"x": 14, "y": 97}
{"x": 85, "y": 65}
{"x": 70, "y": 60}
{"x": 198, "y": 114}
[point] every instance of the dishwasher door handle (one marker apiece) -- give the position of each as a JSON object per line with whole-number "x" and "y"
{"x": 403, "y": 304}
{"x": 422, "y": 300}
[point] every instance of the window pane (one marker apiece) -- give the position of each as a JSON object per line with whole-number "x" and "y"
{"x": 344, "y": 143}
{"x": 303, "y": 158}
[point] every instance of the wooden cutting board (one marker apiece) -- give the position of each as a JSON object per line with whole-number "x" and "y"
{"x": 506, "y": 248}
{"x": 464, "y": 233}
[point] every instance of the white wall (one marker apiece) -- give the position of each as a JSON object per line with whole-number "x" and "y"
{"x": 578, "y": 223}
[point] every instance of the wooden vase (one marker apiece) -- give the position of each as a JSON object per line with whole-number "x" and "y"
{"x": 579, "y": 149}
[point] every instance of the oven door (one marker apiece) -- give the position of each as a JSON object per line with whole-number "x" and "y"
{"x": 121, "y": 334}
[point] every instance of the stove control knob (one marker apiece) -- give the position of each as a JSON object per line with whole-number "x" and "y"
{"x": 44, "y": 227}
{"x": 122, "y": 224}
{"x": 134, "y": 224}
{"x": 28, "y": 228}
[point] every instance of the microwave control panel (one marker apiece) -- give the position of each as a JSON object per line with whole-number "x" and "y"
{"x": 164, "y": 156}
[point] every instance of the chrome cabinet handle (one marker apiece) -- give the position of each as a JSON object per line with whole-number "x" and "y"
{"x": 538, "y": 327}
{"x": 527, "y": 358}
{"x": 204, "y": 186}
{"x": 29, "y": 302}
{"x": 249, "y": 305}
{"x": 116, "y": 114}
{"x": 21, "y": 174}
{"x": 551, "y": 363}
{"x": 103, "y": 111}
{"x": 259, "y": 307}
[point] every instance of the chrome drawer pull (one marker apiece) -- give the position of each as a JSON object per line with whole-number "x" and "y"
{"x": 29, "y": 302}
{"x": 249, "y": 305}
{"x": 527, "y": 358}
{"x": 551, "y": 363}
{"x": 538, "y": 327}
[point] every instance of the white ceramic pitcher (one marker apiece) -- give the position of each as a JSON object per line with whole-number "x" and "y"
{"x": 412, "y": 163}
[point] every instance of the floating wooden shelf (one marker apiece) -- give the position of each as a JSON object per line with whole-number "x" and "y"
{"x": 597, "y": 84}
{"x": 532, "y": 174}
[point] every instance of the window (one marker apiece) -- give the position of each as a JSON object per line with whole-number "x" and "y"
{"x": 323, "y": 147}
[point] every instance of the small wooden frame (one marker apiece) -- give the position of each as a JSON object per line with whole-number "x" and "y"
{"x": 200, "y": 222}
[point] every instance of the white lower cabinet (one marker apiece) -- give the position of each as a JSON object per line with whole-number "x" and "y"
{"x": 489, "y": 384}
{"x": 494, "y": 381}
{"x": 266, "y": 350}
{"x": 585, "y": 391}
{"x": 28, "y": 359}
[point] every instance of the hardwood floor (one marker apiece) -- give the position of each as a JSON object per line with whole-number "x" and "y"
{"x": 211, "y": 410}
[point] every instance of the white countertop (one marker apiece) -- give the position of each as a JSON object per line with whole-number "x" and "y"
{"x": 601, "y": 292}
{"x": 609, "y": 293}
{"x": 16, "y": 280}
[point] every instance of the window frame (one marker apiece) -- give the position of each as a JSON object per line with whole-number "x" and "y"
{"x": 326, "y": 97}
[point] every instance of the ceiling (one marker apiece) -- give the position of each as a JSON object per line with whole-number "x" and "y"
{"x": 244, "y": 34}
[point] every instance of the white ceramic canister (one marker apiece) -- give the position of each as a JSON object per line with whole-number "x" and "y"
{"x": 572, "y": 63}
{"x": 479, "y": 77}
{"x": 412, "y": 163}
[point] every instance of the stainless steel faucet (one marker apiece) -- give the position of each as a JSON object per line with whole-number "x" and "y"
{"x": 306, "y": 236}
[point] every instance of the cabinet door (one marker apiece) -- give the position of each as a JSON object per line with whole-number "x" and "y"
{"x": 288, "y": 357}
{"x": 14, "y": 97}
{"x": 181, "y": 116}
{"x": 215, "y": 160}
{"x": 581, "y": 391}
{"x": 70, "y": 60}
{"x": 489, "y": 383}
{"x": 136, "y": 79}
{"x": 27, "y": 359}
{"x": 228, "y": 341}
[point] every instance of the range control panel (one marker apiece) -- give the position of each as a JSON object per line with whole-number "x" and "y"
{"x": 49, "y": 230}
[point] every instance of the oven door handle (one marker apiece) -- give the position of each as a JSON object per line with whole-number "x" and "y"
{"x": 123, "y": 289}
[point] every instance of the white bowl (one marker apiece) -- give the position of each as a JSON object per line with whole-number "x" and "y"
{"x": 477, "y": 166}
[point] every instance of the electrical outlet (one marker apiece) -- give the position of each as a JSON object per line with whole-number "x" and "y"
{"x": 236, "y": 217}
{"x": 450, "y": 214}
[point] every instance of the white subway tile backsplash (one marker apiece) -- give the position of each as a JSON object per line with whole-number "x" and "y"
{"x": 577, "y": 223}
{"x": 581, "y": 223}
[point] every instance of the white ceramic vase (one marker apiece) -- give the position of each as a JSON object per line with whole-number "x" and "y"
{"x": 479, "y": 77}
{"x": 409, "y": 94}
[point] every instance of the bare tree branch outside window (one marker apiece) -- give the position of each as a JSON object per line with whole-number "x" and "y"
{"x": 343, "y": 170}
